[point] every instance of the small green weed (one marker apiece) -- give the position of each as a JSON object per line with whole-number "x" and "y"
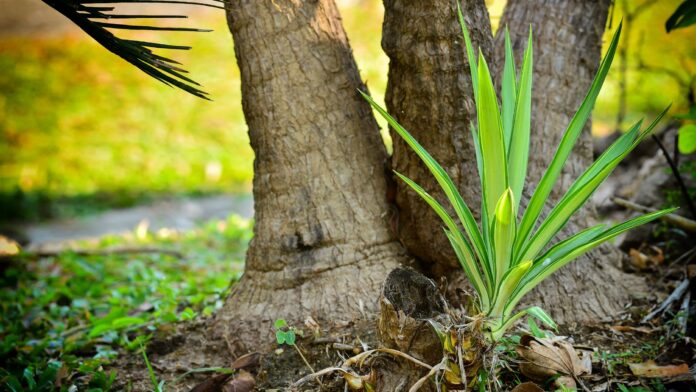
{"x": 287, "y": 335}
{"x": 77, "y": 310}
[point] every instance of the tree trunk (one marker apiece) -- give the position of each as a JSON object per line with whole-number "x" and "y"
{"x": 429, "y": 92}
{"x": 322, "y": 244}
{"x": 437, "y": 107}
{"x": 567, "y": 43}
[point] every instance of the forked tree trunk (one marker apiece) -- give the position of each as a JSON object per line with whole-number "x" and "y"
{"x": 322, "y": 244}
{"x": 322, "y": 241}
{"x": 429, "y": 93}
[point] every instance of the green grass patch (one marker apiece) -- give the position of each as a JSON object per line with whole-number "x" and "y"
{"x": 63, "y": 317}
{"x": 77, "y": 122}
{"x": 82, "y": 130}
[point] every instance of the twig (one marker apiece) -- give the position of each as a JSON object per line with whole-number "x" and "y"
{"x": 677, "y": 176}
{"x": 686, "y": 256}
{"x": 303, "y": 358}
{"x": 350, "y": 361}
{"x": 345, "y": 369}
{"x": 582, "y": 384}
{"x": 462, "y": 370}
{"x": 684, "y": 312}
{"x": 422, "y": 380}
{"x": 676, "y": 294}
{"x": 107, "y": 252}
{"x": 314, "y": 375}
{"x": 677, "y": 220}
{"x": 346, "y": 347}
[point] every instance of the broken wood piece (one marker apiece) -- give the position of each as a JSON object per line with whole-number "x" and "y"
{"x": 675, "y": 296}
{"x": 674, "y": 219}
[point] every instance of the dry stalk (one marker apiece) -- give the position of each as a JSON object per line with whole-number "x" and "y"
{"x": 360, "y": 357}
{"x": 440, "y": 366}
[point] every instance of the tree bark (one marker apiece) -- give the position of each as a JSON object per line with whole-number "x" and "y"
{"x": 567, "y": 37}
{"x": 429, "y": 92}
{"x": 322, "y": 244}
{"x": 567, "y": 43}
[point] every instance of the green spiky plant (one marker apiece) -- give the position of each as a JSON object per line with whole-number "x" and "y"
{"x": 505, "y": 257}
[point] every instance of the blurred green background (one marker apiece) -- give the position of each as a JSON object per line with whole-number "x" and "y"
{"x": 82, "y": 131}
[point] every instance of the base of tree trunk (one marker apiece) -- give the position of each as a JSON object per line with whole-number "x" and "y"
{"x": 332, "y": 298}
{"x": 396, "y": 302}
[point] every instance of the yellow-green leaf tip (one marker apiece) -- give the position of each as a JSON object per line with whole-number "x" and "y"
{"x": 504, "y": 209}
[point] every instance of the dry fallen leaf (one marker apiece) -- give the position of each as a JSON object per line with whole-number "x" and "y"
{"x": 647, "y": 259}
{"x": 244, "y": 382}
{"x": 246, "y": 361}
{"x": 212, "y": 384}
{"x": 691, "y": 271}
{"x": 547, "y": 357}
{"x": 527, "y": 387}
{"x": 651, "y": 369}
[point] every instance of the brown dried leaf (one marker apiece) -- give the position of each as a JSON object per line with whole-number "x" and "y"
{"x": 647, "y": 259}
{"x": 651, "y": 369}
{"x": 246, "y": 361}
{"x": 527, "y": 387}
{"x": 691, "y": 271}
{"x": 144, "y": 307}
{"x": 213, "y": 384}
{"x": 547, "y": 357}
{"x": 244, "y": 382}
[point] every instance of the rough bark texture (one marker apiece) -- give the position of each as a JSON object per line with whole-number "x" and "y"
{"x": 321, "y": 246}
{"x": 436, "y": 108}
{"x": 429, "y": 92}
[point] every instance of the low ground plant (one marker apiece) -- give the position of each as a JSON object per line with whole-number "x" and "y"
{"x": 66, "y": 315}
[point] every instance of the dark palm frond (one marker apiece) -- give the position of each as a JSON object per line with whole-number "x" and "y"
{"x": 94, "y": 16}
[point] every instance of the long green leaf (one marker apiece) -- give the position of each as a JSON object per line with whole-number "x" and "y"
{"x": 566, "y": 246}
{"x": 519, "y": 146}
{"x": 577, "y": 123}
{"x": 471, "y": 57}
{"x": 508, "y": 91}
{"x": 620, "y": 145}
{"x": 490, "y": 132}
{"x": 549, "y": 266}
{"x": 507, "y": 286}
{"x": 459, "y": 243}
{"x": 460, "y": 208}
{"x": 533, "y": 311}
{"x": 583, "y": 188}
{"x": 465, "y": 258}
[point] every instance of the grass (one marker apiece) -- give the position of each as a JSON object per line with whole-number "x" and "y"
{"x": 78, "y": 124}
{"x": 75, "y": 312}
{"x": 81, "y": 130}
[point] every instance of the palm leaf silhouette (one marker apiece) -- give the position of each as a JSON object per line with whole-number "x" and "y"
{"x": 96, "y": 18}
